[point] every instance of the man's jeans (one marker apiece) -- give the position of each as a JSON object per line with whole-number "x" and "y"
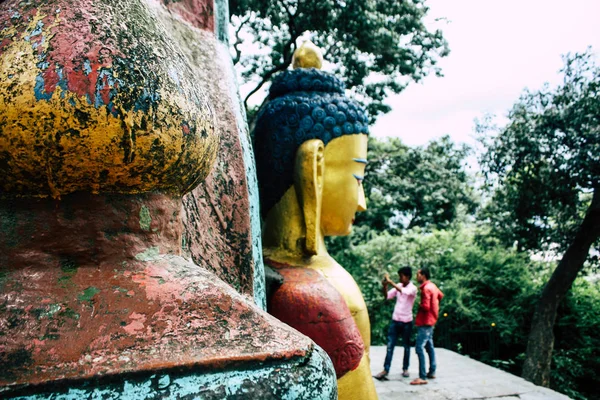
{"x": 425, "y": 341}
{"x": 398, "y": 328}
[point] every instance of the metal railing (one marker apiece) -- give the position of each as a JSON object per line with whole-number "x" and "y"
{"x": 480, "y": 343}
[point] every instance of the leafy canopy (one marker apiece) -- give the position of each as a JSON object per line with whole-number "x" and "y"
{"x": 375, "y": 47}
{"x": 545, "y": 164}
{"x": 425, "y": 187}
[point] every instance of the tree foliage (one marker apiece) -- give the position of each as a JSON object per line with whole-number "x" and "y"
{"x": 408, "y": 187}
{"x": 375, "y": 47}
{"x": 545, "y": 164}
{"x": 545, "y": 167}
{"x": 484, "y": 285}
{"x": 485, "y": 280}
{"x": 481, "y": 285}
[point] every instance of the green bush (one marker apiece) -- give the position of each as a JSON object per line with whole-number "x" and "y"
{"x": 576, "y": 358}
{"x": 483, "y": 284}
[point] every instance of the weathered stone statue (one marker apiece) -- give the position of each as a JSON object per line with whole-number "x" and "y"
{"x": 311, "y": 150}
{"x": 112, "y": 114}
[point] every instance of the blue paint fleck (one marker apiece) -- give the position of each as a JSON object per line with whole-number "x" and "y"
{"x": 146, "y": 100}
{"x": 40, "y": 92}
{"x": 87, "y": 68}
{"x": 62, "y": 82}
{"x": 37, "y": 31}
{"x": 173, "y": 75}
{"x": 164, "y": 382}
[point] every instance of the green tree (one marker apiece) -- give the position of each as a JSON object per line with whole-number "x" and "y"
{"x": 408, "y": 187}
{"x": 481, "y": 285}
{"x": 545, "y": 167}
{"x": 375, "y": 47}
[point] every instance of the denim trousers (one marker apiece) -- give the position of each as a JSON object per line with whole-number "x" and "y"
{"x": 425, "y": 342}
{"x": 398, "y": 328}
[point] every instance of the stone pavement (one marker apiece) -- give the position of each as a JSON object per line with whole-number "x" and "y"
{"x": 457, "y": 377}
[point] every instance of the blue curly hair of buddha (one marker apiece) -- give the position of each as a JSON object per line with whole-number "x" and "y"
{"x": 303, "y": 104}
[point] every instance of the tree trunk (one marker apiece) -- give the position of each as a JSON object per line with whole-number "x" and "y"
{"x": 536, "y": 368}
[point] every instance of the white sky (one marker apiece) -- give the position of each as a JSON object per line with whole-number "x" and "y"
{"x": 497, "y": 48}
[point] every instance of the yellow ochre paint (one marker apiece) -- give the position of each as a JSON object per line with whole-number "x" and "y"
{"x": 52, "y": 152}
{"x": 337, "y": 197}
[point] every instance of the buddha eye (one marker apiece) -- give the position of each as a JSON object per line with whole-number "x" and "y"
{"x": 359, "y": 178}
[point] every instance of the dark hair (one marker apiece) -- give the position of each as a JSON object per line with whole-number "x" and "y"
{"x": 425, "y": 272}
{"x": 406, "y": 271}
{"x": 303, "y": 104}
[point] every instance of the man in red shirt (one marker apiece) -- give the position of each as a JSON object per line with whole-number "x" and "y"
{"x": 427, "y": 316}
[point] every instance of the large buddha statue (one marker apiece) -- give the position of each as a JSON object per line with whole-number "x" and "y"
{"x": 311, "y": 151}
{"x": 130, "y": 261}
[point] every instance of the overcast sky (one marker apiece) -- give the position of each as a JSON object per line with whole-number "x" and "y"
{"x": 497, "y": 48}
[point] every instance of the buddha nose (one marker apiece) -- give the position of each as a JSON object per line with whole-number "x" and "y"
{"x": 362, "y": 201}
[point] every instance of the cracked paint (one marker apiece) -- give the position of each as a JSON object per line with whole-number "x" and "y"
{"x": 86, "y": 105}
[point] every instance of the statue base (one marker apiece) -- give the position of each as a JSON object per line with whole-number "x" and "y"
{"x": 95, "y": 300}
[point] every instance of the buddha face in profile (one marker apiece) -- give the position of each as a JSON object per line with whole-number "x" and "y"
{"x": 311, "y": 150}
{"x": 345, "y": 159}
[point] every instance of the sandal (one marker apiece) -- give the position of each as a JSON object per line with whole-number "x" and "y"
{"x": 382, "y": 376}
{"x": 419, "y": 381}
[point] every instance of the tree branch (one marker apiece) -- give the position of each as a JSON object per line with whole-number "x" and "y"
{"x": 287, "y": 55}
{"x": 238, "y": 40}
{"x": 540, "y": 344}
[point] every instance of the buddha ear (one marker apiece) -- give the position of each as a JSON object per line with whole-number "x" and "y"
{"x": 308, "y": 181}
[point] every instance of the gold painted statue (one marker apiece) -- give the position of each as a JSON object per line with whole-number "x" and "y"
{"x": 311, "y": 150}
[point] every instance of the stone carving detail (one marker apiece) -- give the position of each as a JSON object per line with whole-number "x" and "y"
{"x": 311, "y": 150}
{"x": 121, "y": 134}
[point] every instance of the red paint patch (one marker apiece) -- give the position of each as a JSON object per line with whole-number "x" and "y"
{"x": 144, "y": 316}
{"x": 307, "y": 302}
{"x": 199, "y": 13}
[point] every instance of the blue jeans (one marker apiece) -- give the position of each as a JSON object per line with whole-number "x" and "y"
{"x": 398, "y": 328}
{"x": 425, "y": 341}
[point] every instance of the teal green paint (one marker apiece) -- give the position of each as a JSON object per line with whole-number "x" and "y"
{"x": 69, "y": 269}
{"x": 88, "y": 294}
{"x": 3, "y": 278}
{"x": 69, "y": 313}
{"x": 222, "y": 21}
{"x": 8, "y": 226}
{"x": 67, "y": 266}
{"x": 149, "y": 254}
{"x": 184, "y": 244}
{"x": 53, "y": 309}
{"x": 161, "y": 281}
{"x": 260, "y": 297}
{"x": 145, "y": 219}
{"x": 311, "y": 378}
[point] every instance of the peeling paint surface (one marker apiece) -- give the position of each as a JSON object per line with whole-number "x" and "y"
{"x": 86, "y": 104}
{"x": 259, "y": 289}
{"x": 268, "y": 381}
{"x": 309, "y": 303}
{"x": 110, "y": 111}
{"x": 199, "y": 13}
{"x": 221, "y": 221}
{"x": 105, "y": 298}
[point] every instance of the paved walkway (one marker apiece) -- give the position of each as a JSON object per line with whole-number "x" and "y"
{"x": 457, "y": 377}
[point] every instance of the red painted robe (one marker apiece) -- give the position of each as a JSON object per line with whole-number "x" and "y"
{"x": 309, "y": 303}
